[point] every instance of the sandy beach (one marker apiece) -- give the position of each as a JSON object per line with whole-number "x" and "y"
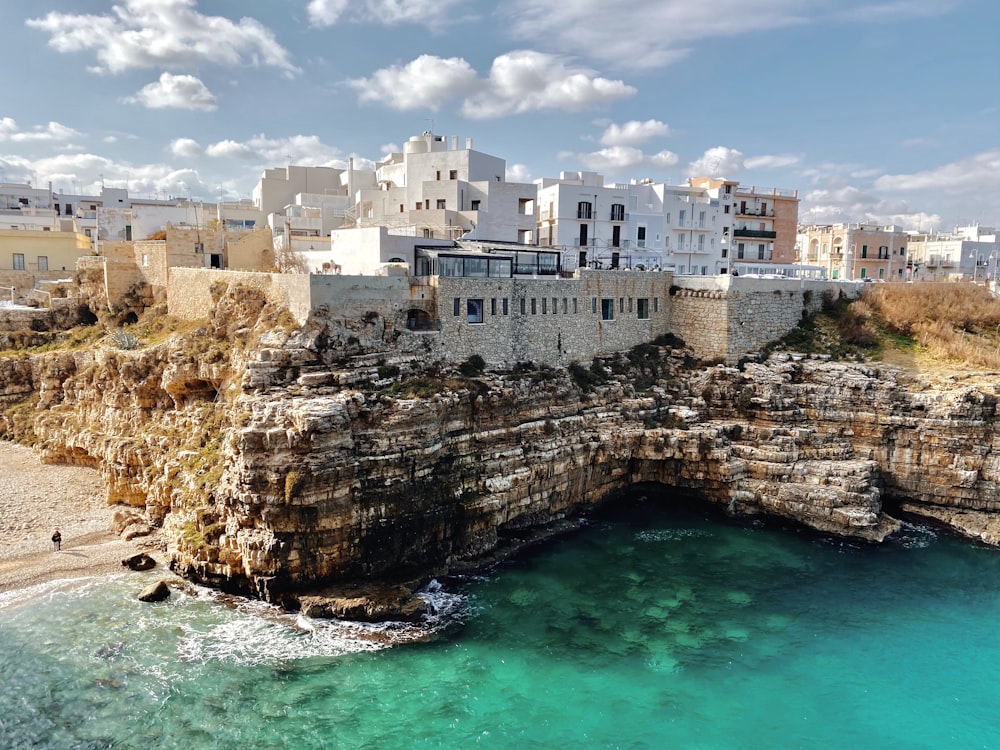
{"x": 36, "y": 499}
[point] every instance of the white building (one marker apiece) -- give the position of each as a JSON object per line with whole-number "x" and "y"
{"x": 640, "y": 224}
{"x": 971, "y": 252}
{"x": 433, "y": 193}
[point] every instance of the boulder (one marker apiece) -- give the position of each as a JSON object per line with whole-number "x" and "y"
{"x": 157, "y": 592}
{"x": 142, "y": 561}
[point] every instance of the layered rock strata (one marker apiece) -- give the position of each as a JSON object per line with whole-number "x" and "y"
{"x": 282, "y": 461}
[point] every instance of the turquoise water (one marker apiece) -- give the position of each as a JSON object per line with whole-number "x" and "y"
{"x": 649, "y": 629}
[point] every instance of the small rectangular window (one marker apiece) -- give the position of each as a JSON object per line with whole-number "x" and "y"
{"x": 642, "y": 308}
{"x": 145, "y": 260}
{"x": 199, "y": 247}
{"x": 457, "y": 306}
{"x": 607, "y": 308}
{"x": 534, "y": 306}
{"x": 522, "y": 305}
{"x": 574, "y": 306}
{"x": 493, "y": 306}
{"x": 555, "y": 305}
{"x": 18, "y": 261}
{"x": 474, "y": 310}
{"x": 475, "y": 205}
{"x": 565, "y": 305}
{"x": 593, "y": 304}
{"x": 441, "y": 203}
{"x": 621, "y": 304}
{"x": 656, "y": 304}
{"x": 545, "y": 305}
{"x": 453, "y": 174}
{"x": 505, "y": 310}
{"x": 630, "y": 304}
{"x": 43, "y": 263}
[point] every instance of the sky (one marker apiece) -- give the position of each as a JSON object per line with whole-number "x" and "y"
{"x": 879, "y": 110}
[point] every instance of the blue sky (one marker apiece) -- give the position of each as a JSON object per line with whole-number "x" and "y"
{"x": 886, "y": 110}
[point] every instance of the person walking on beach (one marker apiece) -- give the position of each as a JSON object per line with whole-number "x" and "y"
{"x": 56, "y": 541}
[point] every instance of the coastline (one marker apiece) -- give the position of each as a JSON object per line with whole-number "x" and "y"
{"x": 37, "y": 498}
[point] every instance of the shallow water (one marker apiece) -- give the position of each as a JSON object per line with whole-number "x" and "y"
{"x": 648, "y": 629}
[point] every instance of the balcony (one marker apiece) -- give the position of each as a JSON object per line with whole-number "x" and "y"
{"x": 751, "y": 211}
{"x": 755, "y": 234}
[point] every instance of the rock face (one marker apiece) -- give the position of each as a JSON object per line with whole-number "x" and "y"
{"x": 279, "y": 462}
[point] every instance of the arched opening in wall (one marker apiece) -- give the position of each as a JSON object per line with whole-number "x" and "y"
{"x": 419, "y": 320}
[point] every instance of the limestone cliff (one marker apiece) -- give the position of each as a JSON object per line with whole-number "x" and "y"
{"x": 280, "y": 460}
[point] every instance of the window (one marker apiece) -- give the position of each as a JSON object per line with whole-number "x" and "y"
{"x": 128, "y": 232}
{"x": 565, "y": 306}
{"x": 640, "y": 236}
{"x": 526, "y": 206}
{"x": 18, "y": 261}
{"x": 453, "y": 174}
{"x": 545, "y": 305}
{"x": 725, "y": 251}
{"x": 555, "y": 305}
{"x": 43, "y": 263}
{"x": 522, "y": 305}
{"x": 456, "y": 308}
{"x": 701, "y": 219}
{"x": 474, "y": 310}
{"x": 583, "y": 235}
{"x": 593, "y": 305}
{"x": 864, "y": 272}
{"x": 760, "y": 251}
{"x": 441, "y": 203}
{"x": 199, "y": 247}
{"x": 864, "y": 251}
{"x": 506, "y": 310}
{"x": 621, "y": 304}
{"x": 475, "y": 205}
{"x": 438, "y": 175}
{"x": 493, "y": 306}
{"x": 583, "y": 209}
{"x": 739, "y": 250}
{"x": 575, "y": 311}
{"x": 656, "y": 304}
{"x": 725, "y": 208}
{"x": 630, "y": 304}
{"x": 617, "y": 212}
{"x": 145, "y": 260}
{"x": 534, "y": 306}
{"x": 642, "y": 308}
{"x": 881, "y": 273}
{"x": 607, "y": 308}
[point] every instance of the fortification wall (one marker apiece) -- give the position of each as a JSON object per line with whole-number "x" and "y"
{"x": 549, "y": 321}
{"x": 189, "y": 290}
{"x": 726, "y": 317}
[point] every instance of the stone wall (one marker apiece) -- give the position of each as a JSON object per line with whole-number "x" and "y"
{"x": 726, "y": 317}
{"x": 189, "y": 290}
{"x": 550, "y": 321}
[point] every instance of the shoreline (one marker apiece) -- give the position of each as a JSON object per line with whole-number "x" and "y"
{"x": 35, "y": 499}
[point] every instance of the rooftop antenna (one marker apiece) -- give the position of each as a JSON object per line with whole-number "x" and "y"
{"x": 431, "y": 121}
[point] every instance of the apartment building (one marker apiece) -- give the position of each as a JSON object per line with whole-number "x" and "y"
{"x": 856, "y": 251}
{"x": 970, "y": 252}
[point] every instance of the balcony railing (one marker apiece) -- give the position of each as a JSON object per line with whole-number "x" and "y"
{"x": 750, "y": 211}
{"x": 756, "y": 234}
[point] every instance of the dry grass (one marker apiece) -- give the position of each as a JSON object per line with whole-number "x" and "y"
{"x": 959, "y": 323}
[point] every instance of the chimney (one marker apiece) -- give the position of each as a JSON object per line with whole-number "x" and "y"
{"x": 454, "y": 143}
{"x": 468, "y": 143}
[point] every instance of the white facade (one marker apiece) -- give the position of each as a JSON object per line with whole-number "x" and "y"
{"x": 970, "y": 252}
{"x": 632, "y": 225}
{"x": 436, "y": 190}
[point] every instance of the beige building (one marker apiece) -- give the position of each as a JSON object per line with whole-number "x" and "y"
{"x": 854, "y": 252}
{"x": 41, "y": 250}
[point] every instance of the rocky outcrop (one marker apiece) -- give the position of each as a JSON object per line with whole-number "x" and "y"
{"x": 277, "y": 463}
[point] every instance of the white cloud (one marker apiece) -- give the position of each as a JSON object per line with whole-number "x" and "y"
{"x": 851, "y": 204}
{"x": 526, "y": 81}
{"x": 430, "y": 13}
{"x": 51, "y": 133}
{"x": 297, "y": 149}
{"x": 772, "y": 161}
{"x": 166, "y": 34}
{"x": 521, "y": 81}
{"x": 175, "y": 92}
{"x": 229, "y": 149}
{"x": 424, "y": 82}
{"x": 653, "y": 35}
{"x": 978, "y": 173}
{"x": 717, "y": 162}
{"x": 634, "y": 133}
{"x": 918, "y": 141}
{"x": 622, "y": 159}
{"x": 186, "y": 148}
{"x": 518, "y": 173}
{"x": 390, "y": 148}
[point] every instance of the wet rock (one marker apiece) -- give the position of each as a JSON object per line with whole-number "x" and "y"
{"x": 142, "y": 561}
{"x": 157, "y": 592}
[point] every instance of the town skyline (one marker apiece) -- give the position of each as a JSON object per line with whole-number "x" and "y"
{"x": 872, "y": 112}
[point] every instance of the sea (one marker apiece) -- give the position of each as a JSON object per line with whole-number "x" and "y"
{"x": 656, "y": 625}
